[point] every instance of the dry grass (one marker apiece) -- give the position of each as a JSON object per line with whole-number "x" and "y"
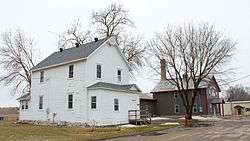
{"x": 19, "y": 132}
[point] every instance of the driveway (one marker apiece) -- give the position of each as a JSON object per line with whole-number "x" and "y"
{"x": 226, "y": 130}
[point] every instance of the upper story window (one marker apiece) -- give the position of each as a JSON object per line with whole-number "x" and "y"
{"x": 119, "y": 75}
{"x": 175, "y": 95}
{"x": 70, "y": 101}
{"x": 42, "y": 76}
{"x": 40, "y": 102}
{"x": 116, "y": 104}
{"x": 93, "y": 102}
{"x": 71, "y": 71}
{"x": 98, "y": 71}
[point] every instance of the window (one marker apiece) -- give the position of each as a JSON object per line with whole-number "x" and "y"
{"x": 195, "y": 109}
{"x": 177, "y": 108}
{"x": 175, "y": 95}
{"x": 116, "y": 105}
{"x": 42, "y": 76}
{"x": 40, "y": 102}
{"x": 119, "y": 75}
{"x": 26, "y": 104}
{"x": 93, "y": 102}
{"x": 71, "y": 71}
{"x": 99, "y": 71}
{"x": 201, "y": 109}
{"x": 70, "y": 101}
{"x": 22, "y": 104}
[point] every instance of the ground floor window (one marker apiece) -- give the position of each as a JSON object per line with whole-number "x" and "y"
{"x": 70, "y": 101}
{"x": 177, "y": 108}
{"x": 93, "y": 102}
{"x": 195, "y": 109}
{"x": 116, "y": 104}
{"x": 24, "y": 104}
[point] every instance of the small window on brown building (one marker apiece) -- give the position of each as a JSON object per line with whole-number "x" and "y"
{"x": 177, "y": 108}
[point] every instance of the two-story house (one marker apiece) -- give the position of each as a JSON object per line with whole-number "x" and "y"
{"x": 86, "y": 84}
{"x": 167, "y": 101}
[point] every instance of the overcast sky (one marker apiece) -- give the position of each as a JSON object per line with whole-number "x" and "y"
{"x": 44, "y": 18}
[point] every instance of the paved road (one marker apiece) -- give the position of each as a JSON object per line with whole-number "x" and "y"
{"x": 226, "y": 130}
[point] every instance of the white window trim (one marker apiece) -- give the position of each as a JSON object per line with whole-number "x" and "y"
{"x": 94, "y": 109}
{"x": 114, "y": 105}
{"x": 117, "y": 77}
{"x": 39, "y": 103}
{"x": 195, "y": 106}
{"x": 43, "y": 77}
{"x": 70, "y": 109}
{"x": 96, "y": 71}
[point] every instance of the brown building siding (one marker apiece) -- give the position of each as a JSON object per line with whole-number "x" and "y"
{"x": 166, "y": 102}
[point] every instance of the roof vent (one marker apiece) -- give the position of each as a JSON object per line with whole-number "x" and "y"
{"x": 61, "y": 49}
{"x": 77, "y": 44}
{"x": 96, "y": 39}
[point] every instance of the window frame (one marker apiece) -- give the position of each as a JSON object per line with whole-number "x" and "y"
{"x": 195, "y": 108}
{"x": 119, "y": 77}
{"x": 93, "y": 102}
{"x": 41, "y": 76}
{"x": 71, "y": 71}
{"x": 116, "y": 104}
{"x": 178, "y": 109}
{"x": 98, "y": 76}
{"x": 70, "y": 101}
{"x": 175, "y": 95}
{"x": 40, "y": 102}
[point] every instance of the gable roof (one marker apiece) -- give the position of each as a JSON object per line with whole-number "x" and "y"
{"x": 104, "y": 85}
{"x": 71, "y": 54}
{"x": 168, "y": 85}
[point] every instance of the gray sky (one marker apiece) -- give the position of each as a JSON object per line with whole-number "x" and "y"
{"x": 42, "y": 18}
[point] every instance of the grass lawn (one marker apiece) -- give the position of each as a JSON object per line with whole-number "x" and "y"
{"x": 10, "y": 131}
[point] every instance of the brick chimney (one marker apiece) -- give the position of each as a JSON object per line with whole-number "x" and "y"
{"x": 163, "y": 70}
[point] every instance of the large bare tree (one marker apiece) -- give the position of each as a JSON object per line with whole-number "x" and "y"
{"x": 237, "y": 93}
{"x": 73, "y": 36}
{"x": 192, "y": 53}
{"x": 16, "y": 59}
{"x": 113, "y": 22}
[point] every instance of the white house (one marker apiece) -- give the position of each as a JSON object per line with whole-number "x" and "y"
{"x": 87, "y": 84}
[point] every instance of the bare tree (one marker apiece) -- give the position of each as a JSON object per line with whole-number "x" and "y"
{"x": 192, "y": 53}
{"x": 16, "y": 53}
{"x": 237, "y": 93}
{"x": 74, "y": 35}
{"x": 133, "y": 50}
{"x": 111, "y": 21}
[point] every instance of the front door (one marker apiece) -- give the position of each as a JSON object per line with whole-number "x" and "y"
{"x": 239, "y": 111}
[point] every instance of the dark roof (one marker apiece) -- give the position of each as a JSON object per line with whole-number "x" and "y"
{"x": 24, "y": 97}
{"x": 70, "y": 54}
{"x": 128, "y": 87}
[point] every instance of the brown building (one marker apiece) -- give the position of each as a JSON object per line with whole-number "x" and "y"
{"x": 166, "y": 100}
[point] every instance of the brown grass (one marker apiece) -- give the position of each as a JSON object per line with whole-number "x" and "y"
{"x": 28, "y": 132}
